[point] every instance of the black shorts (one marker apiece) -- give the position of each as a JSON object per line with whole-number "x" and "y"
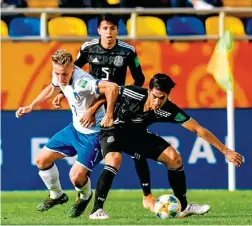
{"x": 139, "y": 144}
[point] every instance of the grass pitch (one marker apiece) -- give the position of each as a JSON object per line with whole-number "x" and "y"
{"x": 125, "y": 208}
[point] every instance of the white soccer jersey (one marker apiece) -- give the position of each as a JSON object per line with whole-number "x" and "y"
{"x": 81, "y": 92}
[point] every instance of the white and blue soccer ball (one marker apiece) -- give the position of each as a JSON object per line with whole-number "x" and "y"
{"x": 167, "y": 206}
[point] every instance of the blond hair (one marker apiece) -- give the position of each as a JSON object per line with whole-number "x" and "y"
{"x": 62, "y": 57}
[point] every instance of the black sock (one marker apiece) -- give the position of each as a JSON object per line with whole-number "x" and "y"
{"x": 143, "y": 172}
{"x": 177, "y": 180}
{"x": 103, "y": 186}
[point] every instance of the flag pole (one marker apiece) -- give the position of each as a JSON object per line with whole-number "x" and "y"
{"x": 230, "y": 120}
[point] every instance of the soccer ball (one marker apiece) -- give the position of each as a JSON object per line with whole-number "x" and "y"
{"x": 167, "y": 206}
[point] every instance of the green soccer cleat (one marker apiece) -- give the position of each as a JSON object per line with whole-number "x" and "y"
{"x": 50, "y": 203}
{"x": 79, "y": 206}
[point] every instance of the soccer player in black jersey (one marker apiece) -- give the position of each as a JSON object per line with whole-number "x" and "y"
{"x": 135, "y": 110}
{"x": 108, "y": 59}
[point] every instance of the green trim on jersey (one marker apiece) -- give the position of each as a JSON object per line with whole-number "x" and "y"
{"x": 137, "y": 62}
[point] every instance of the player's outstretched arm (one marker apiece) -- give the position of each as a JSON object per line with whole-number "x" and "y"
{"x": 231, "y": 156}
{"x": 136, "y": 70}
{"x": 45, "y": 94}
{"x": 110, "y": 90}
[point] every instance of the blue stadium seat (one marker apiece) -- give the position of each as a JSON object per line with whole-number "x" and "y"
{"x": 93, "y": 25}
{"x": 24, "y": 26}
{"x": 181, "y": 25}
{"x": 249, "y": 27}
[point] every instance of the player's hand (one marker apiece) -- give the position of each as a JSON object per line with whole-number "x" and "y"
{"x": 23, "y": 110}
{"x": 107, "y": 121}
{"x": 88, "y": 119}
{"x": 57, "y": 100}
{"x": 234, "y": 157}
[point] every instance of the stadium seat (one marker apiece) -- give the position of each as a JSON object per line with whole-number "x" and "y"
{"x": 4, "y": 29}
{"x": 148, "y": 26}
{"x": 231, "y": 23}
{"x": 249, "y": 26}
{"x": 67, "y": 26}
{"x": 184, "y": 25}
{"x": 24, "y": 26}
{"x": 113, "y": 2}
{"x": 237, "y": 3}
{"x": 93, "y": 25}
{"x": 43, "y": 3}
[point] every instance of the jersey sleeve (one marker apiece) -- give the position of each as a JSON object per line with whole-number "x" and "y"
{"x": 82, "y": 57}
{"x": 132, "y": 92}
{"x": 177, "y": 115}
{"x": 88, "y": 85}
{"x": 135, "y": 69}
{"x": 54, "y": 80}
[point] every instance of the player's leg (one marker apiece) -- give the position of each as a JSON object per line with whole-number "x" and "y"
{"x": 143, "y": 172}
{"x": 177, "y": 179}
{"x": 56, "y": 148}
{"x": 49, "y": 173}
{"x": 88, "y": 149}
{"x": 112, "y": 159}
{"x": 82, "y": 184}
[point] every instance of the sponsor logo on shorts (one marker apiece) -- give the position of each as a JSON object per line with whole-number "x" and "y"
{"x": 110, "y": 139}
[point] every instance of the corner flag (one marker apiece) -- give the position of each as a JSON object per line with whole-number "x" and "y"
{"x": 219, "y": 65}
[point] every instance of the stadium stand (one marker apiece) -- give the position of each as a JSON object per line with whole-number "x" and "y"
{"x": 113, "y": 2}
{"x": 72, "y": 27}
{"x": 148, "y": 26}
{"x": 231, "y": 23}
{"x": 185, "y": 25}
{"x": 4, "y": 29}
{"x": 43, "y": 3}
{"x": 237, "y": 3}
{"x": 249, "y": 26}
{"x": 24, "y": 26}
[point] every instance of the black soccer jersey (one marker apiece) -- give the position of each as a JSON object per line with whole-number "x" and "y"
{"x": 111, "y": 64}
{"x": 129, "y": 109}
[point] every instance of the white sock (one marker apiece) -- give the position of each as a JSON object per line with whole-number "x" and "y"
{"x": 85, "y": 191}
{"x": 51, "y": 179}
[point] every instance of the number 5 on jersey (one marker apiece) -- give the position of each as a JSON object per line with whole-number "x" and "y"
{"x": 106, "y": 71}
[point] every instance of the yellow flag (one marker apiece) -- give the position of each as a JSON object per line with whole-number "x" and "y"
{"x": 219, "y": 65}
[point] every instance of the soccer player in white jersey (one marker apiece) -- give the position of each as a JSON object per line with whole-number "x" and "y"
{"x": 81, "y": 90}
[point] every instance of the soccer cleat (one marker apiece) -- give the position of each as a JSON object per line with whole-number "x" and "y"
{"x": 192, "y": 209}
{"x": 99, "y": 214}
{"x": 50, "y": 203}
{"x": 79, "y": 206}
{"x": 149, "y": 202}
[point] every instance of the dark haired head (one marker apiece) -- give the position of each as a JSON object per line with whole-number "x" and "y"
{"x": 162, "y": 82}
{"x": 109, "y": 18}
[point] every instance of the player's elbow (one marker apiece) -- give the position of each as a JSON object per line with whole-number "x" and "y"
{"x": 140, "y": 81}
{"x": 112, "y": 89}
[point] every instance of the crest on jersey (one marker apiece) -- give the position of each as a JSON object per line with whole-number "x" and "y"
{"x": 76, "y": 96}
{"x": 118, "y": 61}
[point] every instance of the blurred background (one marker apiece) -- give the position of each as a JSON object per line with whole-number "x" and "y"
{"x": 176, "y": 37}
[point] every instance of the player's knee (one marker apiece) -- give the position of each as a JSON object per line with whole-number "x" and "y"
{"x": 78, "y": 178}
{"x": 113, "y": 159}
{"x": 42, "y": 162}
{"x": 177, "y": 162}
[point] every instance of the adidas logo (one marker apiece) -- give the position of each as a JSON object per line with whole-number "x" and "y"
{"x": 95, "y": 60}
